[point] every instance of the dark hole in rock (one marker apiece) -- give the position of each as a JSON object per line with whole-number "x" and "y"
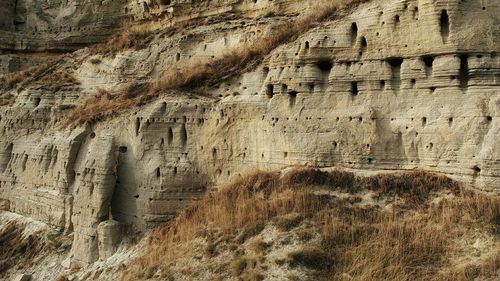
{"x": 36, "y": 101}
{"x": 354, "y": 88}
{"x": 170, "y": 136}
{"x": 183, "y": 135}
{"x": 354, "y": 32}
{"x": 428, "y": 61}
{"x": 325, "y": 65}
{"x": 270, "y": 90}
{"x": 364, "y": 44}
{"x": 476, "y": 170}
{"x": 463, "y": 74}
{"x": 444, "y": 23}
{"x": 293, "y": 96}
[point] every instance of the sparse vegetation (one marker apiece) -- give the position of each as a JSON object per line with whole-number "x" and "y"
{"x": 415, "y": 237}
{"x": 286, "y": 223}
{"x": 43, "y": 75}
{"x": 103, "y": 104}
{"x": 311, "y": 257}
{"x": 202, "y": 75}
{"x": 11, "y": 80}
{"x": 17, "y": 249}
{"x": 130, "y": 37}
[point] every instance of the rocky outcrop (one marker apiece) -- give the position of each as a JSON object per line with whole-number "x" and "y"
{"x": 392, "y": 85}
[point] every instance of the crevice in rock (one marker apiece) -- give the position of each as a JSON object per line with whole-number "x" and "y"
{"x": 137, "y": 126}
{"x": 292, "y": 96}
{"x": 5, "y": 157}
{"x": 444, "y": 23}
{"x": 183, "y": 134}
{"x": 270, "y": 90}
{"x": 354, "y": 88}
{"x": 463, "y": 75}
{"x": 395, "y": 64}
{"x": 170, "y": 136}
{"x": 428, "y": 62}
{"x": 354, "y": 33}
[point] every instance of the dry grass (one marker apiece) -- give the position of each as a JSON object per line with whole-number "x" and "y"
{"x": 201, "y": 75}
{"x": 56, "y": 81}
{"x": 103, "y": 104}
{"x": 12, "y": 80}
{"x": 43, "y": 75}
{"x": 17, "y": 249}
{"x": 130, "y": 36}
{"x": 414, "y": 240}
{"x": 7, "y": 99}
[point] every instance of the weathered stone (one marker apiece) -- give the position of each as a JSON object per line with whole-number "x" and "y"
{"x": 109, "y": 234}
{"x": 391, "y": 85}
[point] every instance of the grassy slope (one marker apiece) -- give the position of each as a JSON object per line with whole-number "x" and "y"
{"x": 311, "y": 224}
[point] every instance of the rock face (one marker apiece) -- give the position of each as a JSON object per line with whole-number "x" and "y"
{"x": 389, "y": 85}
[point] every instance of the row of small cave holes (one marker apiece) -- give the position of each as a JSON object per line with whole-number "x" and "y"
{"x": 443, "y": 19}
{"x": 488, "y": 119}
{"x": 326, "y": 66}
{"x": 170, "y": 134}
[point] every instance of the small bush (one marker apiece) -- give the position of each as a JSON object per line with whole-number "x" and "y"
{"x": 211, "y": 249}
{"x": 250, "y": 231}
{"x": 288, "y": 222}
{"x": 309, "y": 176}
{"x": 17, "y": 250}
{"x": 259, "y": 246}
{"x": 238, "y": 266}
{"x": 129, "y": 37}
{"x": 310, "y": 257}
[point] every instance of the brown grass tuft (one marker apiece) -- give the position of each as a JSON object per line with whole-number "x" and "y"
{"x": 103, "y": 104}
{"x": 12, "y": 80}
{"x": 44, "y": 76}
{"x": 130, "y": 36}
{"x": 17, "y": 249}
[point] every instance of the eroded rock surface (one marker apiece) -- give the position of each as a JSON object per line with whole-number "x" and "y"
{"x": 389, "y": 85}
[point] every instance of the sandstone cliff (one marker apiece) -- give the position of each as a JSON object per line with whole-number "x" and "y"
{"x": 381, "y": 85}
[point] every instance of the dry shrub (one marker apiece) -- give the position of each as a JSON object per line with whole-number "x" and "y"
{"x": 16, "y": 249}
{"x": 7, "y": 99}
{"x": 103, "y": 104}
{"x": 12, "y": 80}
{"x": 338, "y": 179}
{"x": 311, "y": 257}
{"x": 199, "y": 76}
{"x": 57, "y": 80}
{"x": 129, "y": 37}
{"x": 44, "y": 75}
{"x": 409, "y": 242}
